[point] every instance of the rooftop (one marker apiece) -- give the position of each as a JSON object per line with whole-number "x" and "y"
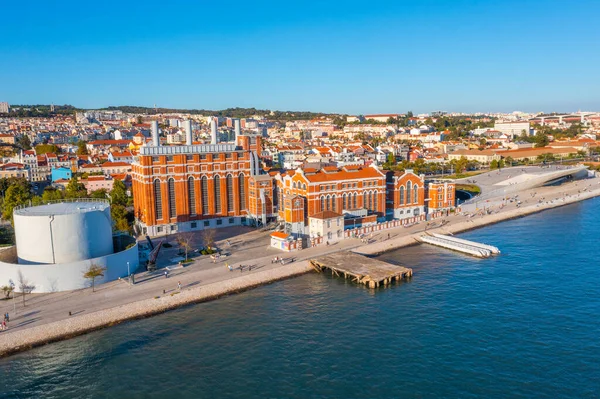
{"x": 64, "y": 207}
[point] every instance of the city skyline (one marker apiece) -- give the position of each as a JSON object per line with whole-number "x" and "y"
{"x": 457, "y": 57}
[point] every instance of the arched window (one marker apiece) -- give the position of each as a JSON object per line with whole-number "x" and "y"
{"x": 217, "y": 192}
{"x": 355, "y": 204}
{"x": 294, "y": 185}
{"x": 157, "y": 200}
{"x": 322, "y": 203}
{"x": 416, "y": 194}
{"x": 328, "y": 205}
{"x": 204, "y": 191}
{"x": 401, "y": 195}
{"x": 370, "y": 199}
{"x": 229, "y": 187}
{"x": 242, "y": 190}
{"x": 345, "y": 201}
{"x": 333, "y": 204}
{"x": 191, "y": 196}
{"x": 304, "y": 186}
{"x": 408, "y": 192}
{"x": 375, "y": 201}
{"x": 172, "y": 204}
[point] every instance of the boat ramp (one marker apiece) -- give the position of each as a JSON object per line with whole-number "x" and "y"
{"x": 458, "y": 244}
{"x": 368, "y": 271}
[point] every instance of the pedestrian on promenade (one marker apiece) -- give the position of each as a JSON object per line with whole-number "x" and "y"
{"x": 241, "y": 268}
{"x": 228, "y": 243}
{"x": 249, "y": 268}
{"x": 166, "y": 274}
{"x": 4, "y": 325}
{"x": 388, "y": 236}
{"x": 179, "y": 285}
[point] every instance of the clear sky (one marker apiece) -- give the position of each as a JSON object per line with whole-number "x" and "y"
{"x": 331, "y": 56}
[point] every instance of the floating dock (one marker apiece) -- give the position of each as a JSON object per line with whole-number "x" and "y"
{"x": 460, "y": 245}
{"x": 368, "y": 271}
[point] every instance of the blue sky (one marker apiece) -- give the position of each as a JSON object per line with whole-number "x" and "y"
{"x": 331, "y": 56}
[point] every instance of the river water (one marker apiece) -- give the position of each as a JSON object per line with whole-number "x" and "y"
{"x": 521, "y": 325}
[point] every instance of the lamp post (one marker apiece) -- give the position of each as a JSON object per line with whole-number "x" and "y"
{"x": 128, "y": 274}
{"x": 12, "y": 285}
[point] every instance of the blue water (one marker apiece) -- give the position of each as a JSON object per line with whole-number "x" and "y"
{"x": 522, "y": 325}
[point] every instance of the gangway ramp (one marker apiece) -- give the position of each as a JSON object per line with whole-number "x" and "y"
{"x": 456, "y": 244}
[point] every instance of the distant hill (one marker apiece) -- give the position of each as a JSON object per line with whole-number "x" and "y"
{"x": 43, "y": 110}
{"x": 227, "y": 113}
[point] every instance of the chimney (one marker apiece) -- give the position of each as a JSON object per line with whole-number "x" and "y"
{"x": 188, "y": 132}
{"x": 155, "y": 139}
{"x": 213, "y": 131}
{"x": 237, "y": 127}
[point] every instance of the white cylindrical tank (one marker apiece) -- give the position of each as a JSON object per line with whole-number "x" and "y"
{"x": 63, "y": 232}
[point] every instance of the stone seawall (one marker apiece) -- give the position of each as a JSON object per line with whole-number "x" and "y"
{"x": 78, "y": 325}
{"x": 470, "y": 224}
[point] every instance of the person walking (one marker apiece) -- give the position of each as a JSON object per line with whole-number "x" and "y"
{"x": 166, "y": 274}
{"x": 179, "y": 285}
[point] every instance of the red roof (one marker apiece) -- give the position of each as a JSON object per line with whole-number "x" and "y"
{"x": 279, "y": 234}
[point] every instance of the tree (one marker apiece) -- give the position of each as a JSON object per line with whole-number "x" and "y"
{"x": 75, "y": 189}
{"x": 15, "y": 195}
{"x": 541, "y": 139}
{"x": 51, "y": 194}
{"x": 208, "y": 237}
{"x": 509, "y": 161}
{"x": 7, "y": 289}
{"x": 500, "y": 163}
{"x": 82, "y": 148}
{"x": 118, "y": 194}
{"x": 494, "y": 164}
{"x": 24, "y": 142}
{"x": 24, "y": 285}
{"x": 119, "y": 216}
{"x": 93, "y": 272}
{"x": 99, "y": 194}
{"x": 185, "y": 243}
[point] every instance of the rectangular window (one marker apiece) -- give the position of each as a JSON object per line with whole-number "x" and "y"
{"x": 219, "y": 222}
{"x": 231, "y": 220}
{"x": 159, "y": 229}
{"x": 194, "y": 225}
{"x": 206, "y": 223}
{"x": 155, "y": 159}
{"x": 189, "y": 157}
{"x": 169, "y": 158}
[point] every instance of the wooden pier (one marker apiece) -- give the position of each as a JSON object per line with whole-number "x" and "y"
{"x": 368, "y": 271}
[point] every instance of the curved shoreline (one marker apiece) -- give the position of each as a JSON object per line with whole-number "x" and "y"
{"x": 11, "y": 343}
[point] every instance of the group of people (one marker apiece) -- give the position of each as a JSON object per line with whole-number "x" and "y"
{"x": 241, "y": 267}
{"x": 4, "y": 325}
{"x": 277, "y": 259}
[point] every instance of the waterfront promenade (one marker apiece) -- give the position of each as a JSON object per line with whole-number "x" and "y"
{"x": 46, "y": 316}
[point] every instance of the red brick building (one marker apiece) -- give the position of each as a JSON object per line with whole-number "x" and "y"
{"x": 183, "y": 188}
{"x": 405, "y": 195}
{"x": 441, "y": 196}
{"x": 354, "y": 190}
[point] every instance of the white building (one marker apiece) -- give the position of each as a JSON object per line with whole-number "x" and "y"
{"x": 327, "y": 224}
{"x": 513, "y": 129}
{"x": 4, "y": 108}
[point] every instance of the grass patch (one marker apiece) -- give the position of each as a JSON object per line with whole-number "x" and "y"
{"x": 470, "y": 188}
{"x": 465, "y": 174}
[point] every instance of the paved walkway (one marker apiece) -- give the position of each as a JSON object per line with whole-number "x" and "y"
{"x": 252, "y": 249}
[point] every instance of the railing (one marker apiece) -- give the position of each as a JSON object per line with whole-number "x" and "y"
{"x": 67, "y": 200}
